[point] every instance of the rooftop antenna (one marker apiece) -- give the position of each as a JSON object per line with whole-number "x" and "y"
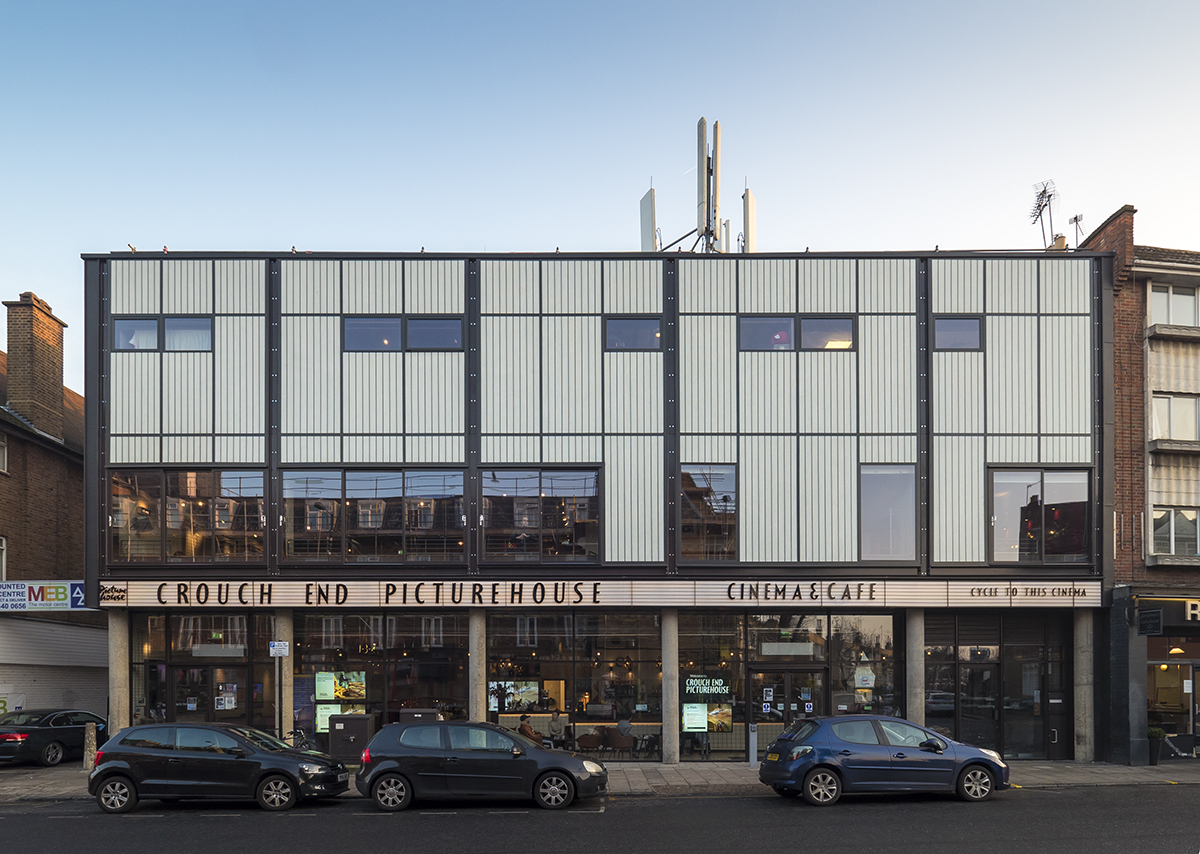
{"x": 1044, "y": 199}
{"x": 713, "y": 234}
{"x": 1077, "y": 221}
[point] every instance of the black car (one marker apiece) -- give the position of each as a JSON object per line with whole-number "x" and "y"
{"x": 822, "y": 757}
{"x": 453, "y": 759}
{"x": 47, "y": 736}
{"x": 224, "y": 761}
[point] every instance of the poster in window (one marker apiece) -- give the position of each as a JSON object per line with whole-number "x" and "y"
{"x": 341, "y": 685}
{"x": 325, "y": 710}
{"x": 707, "y": 702}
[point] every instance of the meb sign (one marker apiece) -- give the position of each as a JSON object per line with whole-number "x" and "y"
{"x": 41, "y": 596}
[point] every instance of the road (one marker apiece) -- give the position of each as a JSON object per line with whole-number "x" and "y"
{"x": 1128, "y": 820}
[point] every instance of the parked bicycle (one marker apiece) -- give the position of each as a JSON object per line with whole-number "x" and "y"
{"x": 300, "y": 739}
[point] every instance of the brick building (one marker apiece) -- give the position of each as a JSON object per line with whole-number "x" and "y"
{"x": 46, "y": 658}
{"x": 1154, "y": 625}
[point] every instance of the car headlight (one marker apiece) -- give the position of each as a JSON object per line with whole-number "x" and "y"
{"x": 308, "y": 769}
{"x": 592, "y": 767}
{"x": 993, "y": 754}
{"x": 799, "y": 750}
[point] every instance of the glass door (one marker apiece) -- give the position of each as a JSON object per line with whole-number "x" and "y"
{"x": 780, "y": 697}
{"x": 191, "y": 694}
{"x": 978, "y": 711}
{"x": 208, "y": 694}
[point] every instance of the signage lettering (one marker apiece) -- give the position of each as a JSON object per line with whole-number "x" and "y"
{"x": 1193, "y": 609}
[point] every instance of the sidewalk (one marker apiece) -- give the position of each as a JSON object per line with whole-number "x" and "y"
{"x": 69, "y": 781}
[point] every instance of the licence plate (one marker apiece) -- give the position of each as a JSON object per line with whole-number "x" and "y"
{"x": 344, "y": 776}
{"x": 772, "y": 757}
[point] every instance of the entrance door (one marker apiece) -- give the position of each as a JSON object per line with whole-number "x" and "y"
{"x": 778, "y": 698}
{"x": 208, "y": 694}
{"x": 978, "y": 709}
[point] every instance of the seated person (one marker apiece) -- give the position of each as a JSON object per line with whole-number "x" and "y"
{"x": 556, "y": 729}
{"x": 624, "y": 727}
{"x": 528, "y": 731}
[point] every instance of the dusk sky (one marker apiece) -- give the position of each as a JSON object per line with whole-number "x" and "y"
{"x": 465, "y": 127}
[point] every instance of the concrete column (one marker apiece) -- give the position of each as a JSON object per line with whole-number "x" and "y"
{"x": 1085, "y": 710}
{"x": 670, "y": 686}
{"x": 477, "y": 665}
{"x": 914, "y": 665}
{"x": 285, "y": 719}
{"x": 118, "y": 670}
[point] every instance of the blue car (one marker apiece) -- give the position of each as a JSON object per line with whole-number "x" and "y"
{"x": 821, "y": 758}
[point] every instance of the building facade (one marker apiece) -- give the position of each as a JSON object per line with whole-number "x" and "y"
{"x": 1154, "y": 623}
{"x": 695, "y": 492}
{"x": 50, "y": 656}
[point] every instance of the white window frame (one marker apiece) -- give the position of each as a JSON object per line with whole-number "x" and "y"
{"x": 1154, "y": 536}
{"x": 3, "y": 559}
{"x": 3, "y": 453}
{"x": 1169, "y": 289}
{"x": 1177, "y": 409}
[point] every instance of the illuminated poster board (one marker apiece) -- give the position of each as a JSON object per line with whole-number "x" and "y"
{"x": 706, "y": 702}
{"x": 341, "y": 685}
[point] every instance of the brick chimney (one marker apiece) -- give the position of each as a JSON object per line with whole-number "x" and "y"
{"x": 35, "y": 363}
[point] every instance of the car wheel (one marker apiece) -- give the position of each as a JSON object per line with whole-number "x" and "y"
{"x": 786, "y": 793}
{"x": 116, "y": 794}
{"x": 554, "y": 791}
{"x": 976, "y": 784}
{"x": 276, "y": 793}
{"x": 391, "y": 792}
{"x": 51, "y": 754}
{"x": 822, "y": 787}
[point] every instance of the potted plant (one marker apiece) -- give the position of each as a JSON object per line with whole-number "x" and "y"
{"x": 1155, "y": 735}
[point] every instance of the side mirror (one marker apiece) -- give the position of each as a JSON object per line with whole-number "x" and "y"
{"x": 517, "y": 751}
{"x": 932, "y": 745}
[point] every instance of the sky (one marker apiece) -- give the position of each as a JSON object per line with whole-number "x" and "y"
{"x": 524, "y": 126}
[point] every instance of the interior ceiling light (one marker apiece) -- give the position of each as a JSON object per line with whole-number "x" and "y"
{"x": 1176, "y": 650}
{"x": 837, "y": 345}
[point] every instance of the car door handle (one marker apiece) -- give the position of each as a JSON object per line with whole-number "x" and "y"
{"x": 452, "y": 759}
{"x": 174, "y": 761}
{"x": 847, "y": 753}
{"x": 898, "y": 755}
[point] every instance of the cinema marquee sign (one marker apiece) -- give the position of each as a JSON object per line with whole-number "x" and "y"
{"x": 418, "y": 594}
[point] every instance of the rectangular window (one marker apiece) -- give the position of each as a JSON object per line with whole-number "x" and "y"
{"x": 311, "y": 522}
{"x": 1041, "y": 517}
{"x": 1173, "y": 304}
{"x": 135, "y": 334}
{"x": 632, "y": 333}
{"x": 708, "y": 512}
{"x": 371, "y": 334}
{"x": 189, "y": 516}
{"x": 546, "y": 516}
{"x": 434, "y": 333}
{"x": 239, "y": 515}
{"x": 888, "y": 520}
{"x": 438, "y": 496}
{"x": 826, "y": 333}
{"x": 1176, "y": 417}
{"x": 1175, "y": 531}
{"x": 374, "y": 516}
{"x": 135, "y": 515}
{"x": 187, "y": 333}
{"x": 3, "y": 453}
{"x": 957, "y": 333}
{"x": 767, "y": 333}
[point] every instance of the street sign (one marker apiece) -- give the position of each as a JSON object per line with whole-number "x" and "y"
{"x": 279, "y": 649}
{"x": 768, "y": 693}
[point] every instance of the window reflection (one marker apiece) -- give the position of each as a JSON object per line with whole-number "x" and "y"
{"x": 889, "y": 512}
{"x": 1040, "y": 517}
{"x": 531, "y": 515}
{"x": 708, "y": 512}
{"x": 135, "y": 507}
{"x": 311, "y": 518}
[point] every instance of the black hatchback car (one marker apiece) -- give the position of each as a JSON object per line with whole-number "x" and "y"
{"x": 457, "y": 759}
{"x": 221, "y": 761}
{"x": 47, "y": 736}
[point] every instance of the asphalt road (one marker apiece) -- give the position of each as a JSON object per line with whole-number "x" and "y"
{"x": 1128, "y": 820}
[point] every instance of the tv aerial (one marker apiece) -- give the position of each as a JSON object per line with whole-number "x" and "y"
{"x": 712, "y": 232}
{"x": 1077, "y": 221}
{"x": 1045, "y": 199}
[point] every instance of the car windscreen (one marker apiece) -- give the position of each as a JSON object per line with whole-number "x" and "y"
{"x": 259, "y": 738}
{"x": 20, "y": 719}
{"x": 800, "y": 730}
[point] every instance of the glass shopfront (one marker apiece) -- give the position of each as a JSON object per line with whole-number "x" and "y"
{"x": 1000, "y": 680}
{"x": 596, "y": 670}
{"x": 1170, "y": 692}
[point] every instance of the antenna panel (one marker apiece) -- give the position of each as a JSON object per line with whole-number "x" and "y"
{"x": 716, "y": 181}
{"x": 701, "y": 176}
{"x": 749, "y": 222}
{"x": 649, "y": 231}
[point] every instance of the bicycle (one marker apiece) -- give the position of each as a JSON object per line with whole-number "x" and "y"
{"x": 300, "y": 739}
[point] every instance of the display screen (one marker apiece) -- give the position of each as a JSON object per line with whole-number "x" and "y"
{"x": 341, "y": 685}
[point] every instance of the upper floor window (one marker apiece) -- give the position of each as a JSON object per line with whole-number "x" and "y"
{"x": 632, "y": 333}
{"x": 1175, "y": 417}
{"x": 957, "y": 333}
{"x": 381, "y": 334}
{"x": 1175, "y": 531}
{"x": 3, "y": 452}
{"x": 827, "y": 333}
{"x": 1041, "y": 516}
{"x": 767, "y": 333}
{"x": 541, "y": 515}
{"x": 373, "y": 516}
{"x": 888, "y": 512}
{"x": 708, "y": 512}
{"x": 1173, "y": 304}
{"x": 186, "y": 516}
{"x": 188, "y": 334}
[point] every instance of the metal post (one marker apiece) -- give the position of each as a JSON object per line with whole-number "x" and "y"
{"x": 753, "y": 745}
